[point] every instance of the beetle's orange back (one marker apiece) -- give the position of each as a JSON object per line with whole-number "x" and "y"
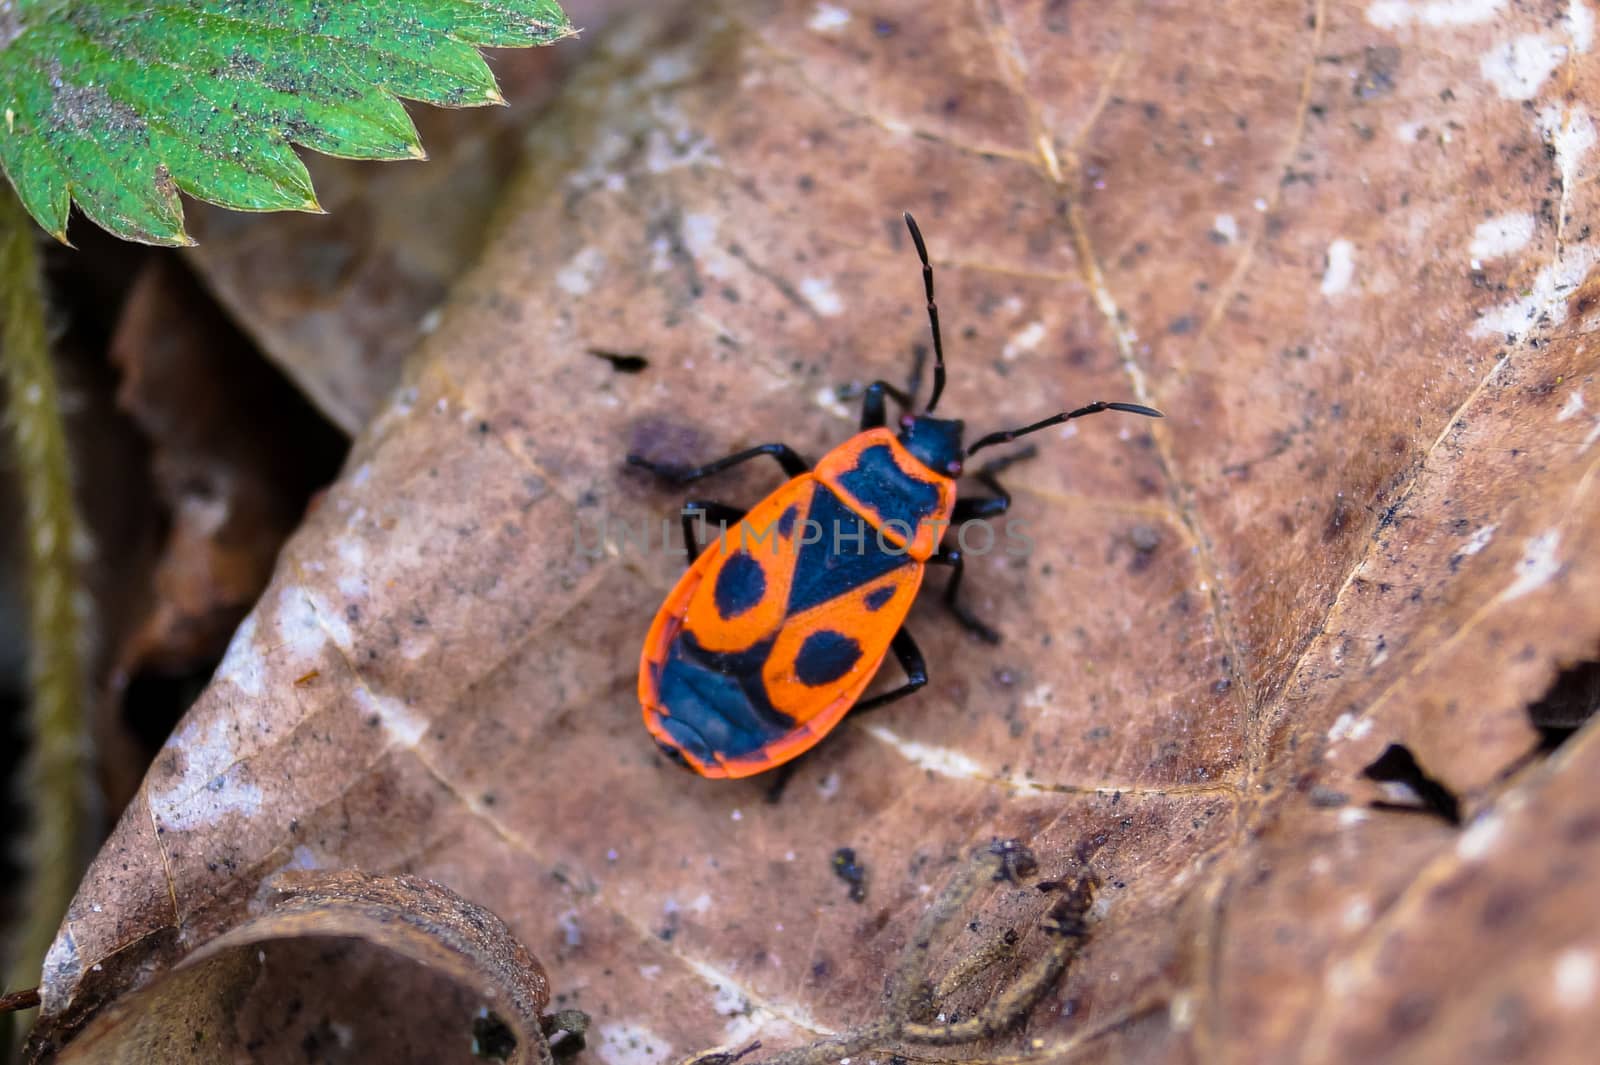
{"x": 774, "y": 632}
{"x": 880, "y": 480}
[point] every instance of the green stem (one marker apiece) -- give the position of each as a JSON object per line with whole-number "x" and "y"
{"x": 55, "y": 777}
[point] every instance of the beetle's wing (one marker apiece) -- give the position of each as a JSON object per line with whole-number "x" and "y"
{"x": 742, "y": 594}
{"x": 700, "y": 671}
{"x": 824, "y": 657}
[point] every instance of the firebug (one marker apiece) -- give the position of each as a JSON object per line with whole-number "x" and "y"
{"x": 776, "y": 629}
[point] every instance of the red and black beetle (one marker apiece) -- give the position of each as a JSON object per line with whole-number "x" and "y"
{"x": 772, "y": 634}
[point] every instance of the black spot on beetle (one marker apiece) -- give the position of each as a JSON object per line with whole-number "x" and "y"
{"x": 879, "y": 597}
{"x": 786, "y": 522}
{"x": 741, "y": 583}
{"x": 825, "y": 657}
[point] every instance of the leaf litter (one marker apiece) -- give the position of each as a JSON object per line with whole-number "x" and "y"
{"x": 1360, "y": 527}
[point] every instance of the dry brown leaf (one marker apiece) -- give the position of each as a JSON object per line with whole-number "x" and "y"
{"x": 234, "y": 454}
{"x": 230, "y": 464}
{"x": 1349, "y": 250}
{"x": 412, "y": 962}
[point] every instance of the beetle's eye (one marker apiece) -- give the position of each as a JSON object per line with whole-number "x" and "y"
{"x": 953, "y": 466}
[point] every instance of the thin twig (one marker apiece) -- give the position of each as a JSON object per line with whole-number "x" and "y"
{"x": 12, "y": 1001}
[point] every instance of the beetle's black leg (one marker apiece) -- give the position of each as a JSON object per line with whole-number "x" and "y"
{"x": 792, "y": 464}
{"x": 702, "y": 510}
{"x": 1000, "y": 502}
{"x": 951, "y": 557}
{"x": 911, "y": 661}
{"x": 872, "y": 416}
{"x": 780, "y": 781}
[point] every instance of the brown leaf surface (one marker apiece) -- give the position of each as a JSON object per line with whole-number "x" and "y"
{"x": 1348, "y": 249}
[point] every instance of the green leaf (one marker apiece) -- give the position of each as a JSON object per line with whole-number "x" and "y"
{"x": 119, "y": 105}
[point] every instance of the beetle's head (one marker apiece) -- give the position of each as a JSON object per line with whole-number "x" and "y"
{"x": 936, "y": 442}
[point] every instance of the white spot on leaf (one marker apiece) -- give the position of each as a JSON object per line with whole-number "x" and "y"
{"x": 1347, "y": 726}
{"x": 1024, "y": 340}
{"x": 208, "y": 785}
{"x": 352, "y": 580}
{"x": 820, "y": 293}
{"x": 403, "y": 724}
{"x": 1501, "y": 236}
{"x": 243, "y": 665}
{"x": 1579, "y": 22}
{"x": 1570, "y": 133}
{"x": 826, "y": 18}
{"x": 1181, "y": 1011}
{"x": 1480, "y": 540}
{"x": 1226, "y": 227}
{"x": 1517, "y": 68}
{"x": 299, "y": 632}
{"x": 700, "y": 237}
{"x": 621, "y": 1043}
{"x": 578, "y": 276}
{"x": 1341, "y": 267}
{"x": 674, "y": 143}
{"x": 1479, "y": 838}
{"x": 940, "y": 760}
{"x": 62, "y": 968}
{"x": 1537, "y": 565}
{"x": 1357, "y": 915}
{"x": 1577, "y": 975}
{"x": 1546, "y": 302}
{"x": 729, "y": 1002}
{"x": 1393, "y": 14}
{"x": 828, "y": 399}
{"x": 330, "y": 617}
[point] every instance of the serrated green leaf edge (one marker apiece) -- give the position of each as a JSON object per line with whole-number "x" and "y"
{"x": 118, "y": 105}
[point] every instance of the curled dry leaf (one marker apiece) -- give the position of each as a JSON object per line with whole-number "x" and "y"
{"x": 235, "y": 456}
{"x": 1349, "y": 250}
{"x": 235, "y": 452}
{"x": 265, "y": 990}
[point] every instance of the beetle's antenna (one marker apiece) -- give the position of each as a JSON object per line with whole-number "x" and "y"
{"x": 933, "y": 314}
{"x": 1008, "y": 435}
